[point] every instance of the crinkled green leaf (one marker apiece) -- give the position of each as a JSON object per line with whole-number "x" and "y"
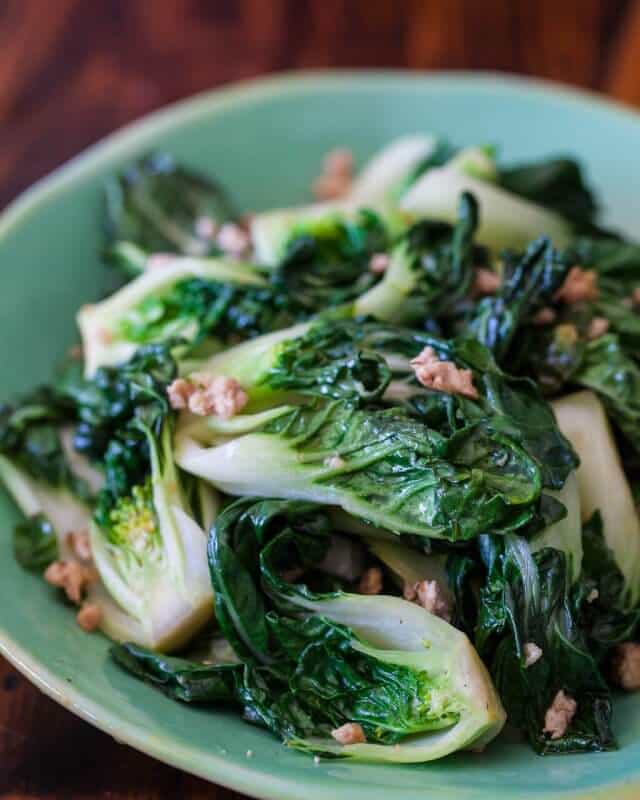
{"x": 527, "y": 599}
{"x": 155, "y": 204}
{"x": 326, "y": 260}
{"x": 557, "y": 184}
{"x": 30, "y": 435}
{"x": 329, "y": 361}
{"x": 615, "y": 377}
{"x": 184, "y": 680}
{"x": 117, "y": 408}
{"x": 529, "y": 283}
{"x": 602, "y": 591}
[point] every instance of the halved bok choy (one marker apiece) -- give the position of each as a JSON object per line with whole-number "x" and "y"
{"x": 313, "y": 662}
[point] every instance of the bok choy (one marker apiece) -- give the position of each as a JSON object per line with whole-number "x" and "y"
{"x": 411, "y": 682}
{"x": 148, "y": 530}
{"x": 364, "y": 471}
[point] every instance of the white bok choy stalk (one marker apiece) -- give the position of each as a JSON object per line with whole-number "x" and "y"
{"x": 602, "y": 483}
{"x": 408, "y": 566}
{"x": 376, "y": 187}
{"x": 411, "y": 685}
{"x": 308, "y": 435}
{"x": 50, "y": 483}
{"x": 506, "y": 220}
{"x": 412, "y": 682}
{"x": 455, "y": 681}
{"x": 64, "y": 510}
{"x": 382, "y": 176}
{"x": 272, "y": 231}
{"x": 113, "y": 329}
{"x": 150, "y": 553}
{"x": 565, "y": 534}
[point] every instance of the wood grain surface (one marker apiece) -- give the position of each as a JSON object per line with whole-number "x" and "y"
{"x": 71, "y": 71}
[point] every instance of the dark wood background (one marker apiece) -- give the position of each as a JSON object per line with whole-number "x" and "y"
{"x": 73, "y": 70}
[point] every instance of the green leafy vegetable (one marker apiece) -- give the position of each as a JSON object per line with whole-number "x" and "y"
{"x": 325, "y": 261}
{"x": 565, "y": 355}
{"x": 527, "y": 599}
{"x": 34, "y": 543}
{"x": 51, "y": 485}
{"x": 156, "y": 204}
{"x": 149, "y": 552}
{"x": 390, "y": 468}
{"x": 187, "y": 299}
{"x": 528, "y": 285}
{"x": 381, "y": 466}
{"x": 116, "y": 410}
{"x": 304, "y": 676}
{"x": 557, "y": 184}
{"x": 31, "y": 436}
{"x": 430, "y": 271}
{"x": 179, "y": 678}
{"x": 615, "y": 376}
{"x": 384, "y": 479}
{"x": 324, "y": 359}
{"x": 330, "y": 674}
{"x": 343, "y": 360}
{"x": 234, "y": 549}
{"x": 146, "y": 534}
{"x": 605, "y": 611}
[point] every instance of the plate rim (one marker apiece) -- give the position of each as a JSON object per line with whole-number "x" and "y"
{"x": 124, "y": 139}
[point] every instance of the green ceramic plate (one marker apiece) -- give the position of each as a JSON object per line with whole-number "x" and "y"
{"x": 265, "y": 141}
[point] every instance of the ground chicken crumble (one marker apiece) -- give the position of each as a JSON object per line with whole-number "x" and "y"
{"x": 485, "y": 282}
{"x": 626, "y": 666}
{"x": 443, "y": 376}
{"x": 429, "y": 595}
{"x": 70, "y": 576}
{"x": 371, "y": 581}
{"x": 559, "y": 715}
{"x": 579, "y": 286}
{"x": 205, "y": 395}
{"x": 349, "y": 733}
{"x": 336, "y": 177}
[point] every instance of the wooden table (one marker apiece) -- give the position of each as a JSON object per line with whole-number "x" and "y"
{"x": 73, "y": 70}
